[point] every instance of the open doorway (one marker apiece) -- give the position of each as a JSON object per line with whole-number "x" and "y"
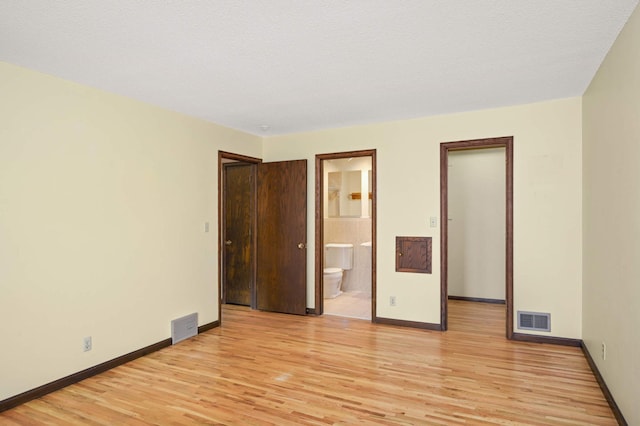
{"x": 484, "y": 272}
{"x": 346, "y": 234}
{"x": 476, "y": 225}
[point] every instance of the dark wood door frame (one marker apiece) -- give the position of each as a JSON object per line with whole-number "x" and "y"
{"x": 319, "y": 235}
{"x": 222, "y": 158}
{"x": 445, "y": 147}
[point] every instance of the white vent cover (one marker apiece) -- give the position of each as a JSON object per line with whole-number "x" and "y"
{"x": 183, "y": 328}
{"x": 534, "y": 321}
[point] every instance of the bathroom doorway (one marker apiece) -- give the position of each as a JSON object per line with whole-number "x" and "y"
{"x": 475, "y": 266}
{"x": 346, "y": 230}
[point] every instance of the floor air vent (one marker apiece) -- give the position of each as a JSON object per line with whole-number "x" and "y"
{"x": 183, "y": 328}
{"x": 534, "y": 321}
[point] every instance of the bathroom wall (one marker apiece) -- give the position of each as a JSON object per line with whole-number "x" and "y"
{"x": 355, "y": 231}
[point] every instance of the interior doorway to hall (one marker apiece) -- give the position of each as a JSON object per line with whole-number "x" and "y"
{"x": 345, "y": 234}
{"x": 477, "y": 226}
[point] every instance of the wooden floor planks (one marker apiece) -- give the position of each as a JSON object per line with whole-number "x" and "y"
{"x": 265, "y": 368}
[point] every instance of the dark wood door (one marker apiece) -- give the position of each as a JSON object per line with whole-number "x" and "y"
{"x": 281, "y": 282}
{"x": 238, "y": 248}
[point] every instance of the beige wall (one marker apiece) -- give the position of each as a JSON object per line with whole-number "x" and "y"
{"x": 611, "y": 208}
{"x": 477, "y": 223}
{"x": 547, "y": 210}
{"x": 103, "y": 202}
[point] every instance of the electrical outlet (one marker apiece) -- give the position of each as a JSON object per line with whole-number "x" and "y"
{"x": 604, "y": 351}
{"x": 392, "y": 301}
{"x": 86, "y": 344}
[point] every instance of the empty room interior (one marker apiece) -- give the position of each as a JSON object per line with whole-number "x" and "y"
{"x": 340, "y": 212}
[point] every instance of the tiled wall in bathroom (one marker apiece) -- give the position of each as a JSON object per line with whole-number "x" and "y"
{"x": 355, "y": 231}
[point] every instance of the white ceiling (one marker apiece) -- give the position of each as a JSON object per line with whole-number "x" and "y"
{"x": 299, "y": 65}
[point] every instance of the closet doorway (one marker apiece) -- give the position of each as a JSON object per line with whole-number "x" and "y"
{"x": 475, "y": 266}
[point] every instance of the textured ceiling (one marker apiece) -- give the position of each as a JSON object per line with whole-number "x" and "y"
{"x": 298, "y": 65}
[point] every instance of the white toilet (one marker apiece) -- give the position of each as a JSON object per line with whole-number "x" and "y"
{"x": 337, "y": 259}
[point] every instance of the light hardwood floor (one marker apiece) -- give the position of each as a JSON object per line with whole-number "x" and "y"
{"x": 265, "y": 368}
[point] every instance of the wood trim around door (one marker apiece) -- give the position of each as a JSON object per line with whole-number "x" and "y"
{"x": 319, "y": 234}
{"x": 222, "y": 156}
{"x": 501, "y": 142}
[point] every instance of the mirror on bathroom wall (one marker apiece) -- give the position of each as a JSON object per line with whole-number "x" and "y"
{"x": 347, "y": 189}
{"x": 344, "y": 194}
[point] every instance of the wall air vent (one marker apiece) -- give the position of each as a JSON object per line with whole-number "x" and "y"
{"x": 534, "y": 321}
{"x": 183, "y": 328}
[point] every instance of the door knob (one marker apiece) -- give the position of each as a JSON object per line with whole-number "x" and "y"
{"x": 227, "y": 243}
{"x": 300, "y": 245}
